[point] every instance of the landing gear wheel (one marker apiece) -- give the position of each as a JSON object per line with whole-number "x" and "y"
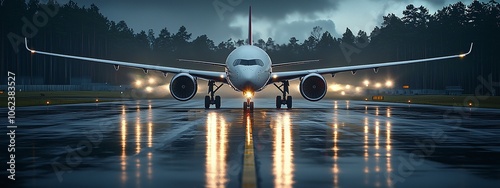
{"x": 207, "y": 102}
{"x": 284, "y": 89}
{"x": 217, "y": 102}
{"x": 278, "y": 102}
{"x": 245, "y": 106}
{"x": 289, "y": 102}
{"x": 251, "y": 106}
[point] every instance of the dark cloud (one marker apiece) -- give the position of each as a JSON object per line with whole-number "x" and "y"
{"x": 201, "y": 17}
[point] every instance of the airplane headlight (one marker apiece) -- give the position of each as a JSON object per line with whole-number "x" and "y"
{"x": 248, "y": 94}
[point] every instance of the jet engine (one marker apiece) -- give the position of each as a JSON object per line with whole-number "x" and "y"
{"x": 183, "y": 87}
{"x": 313, "y": 87}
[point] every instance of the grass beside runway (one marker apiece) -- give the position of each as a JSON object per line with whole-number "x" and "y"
{"x": 62, "y": 97}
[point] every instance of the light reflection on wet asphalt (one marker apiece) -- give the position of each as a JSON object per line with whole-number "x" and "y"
{"x": 165, "y": 143}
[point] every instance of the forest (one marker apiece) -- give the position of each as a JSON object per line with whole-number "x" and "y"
{"x": 85, "y": 31}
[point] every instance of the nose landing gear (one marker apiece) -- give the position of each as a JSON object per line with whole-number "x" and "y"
{"x": 286, "y": 100}
{"x": 209, "y": 100}
{"x": 248, "y": 105}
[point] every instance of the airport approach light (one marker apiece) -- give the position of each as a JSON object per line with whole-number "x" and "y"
{"x": 409, "y": 101}
{"x": 367, "y": 83}
{"x": 96, "y": 100}
{"x": 48, "y": 102}
{"x": 149, "y": 89}
{"x": 389, "y": 83}
{"x": 378, "y": 85}
{"x": 342, "y": 93}
{"x": 348, "y": 86}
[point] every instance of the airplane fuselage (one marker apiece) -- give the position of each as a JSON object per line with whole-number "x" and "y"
{"x": 248, "y": 69}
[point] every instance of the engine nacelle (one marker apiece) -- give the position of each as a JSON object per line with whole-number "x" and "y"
{"x": 313, "y": 87}
{"x": 183, "y": 87}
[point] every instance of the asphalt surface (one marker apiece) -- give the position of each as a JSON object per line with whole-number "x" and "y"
{"x": 166, "y": 143}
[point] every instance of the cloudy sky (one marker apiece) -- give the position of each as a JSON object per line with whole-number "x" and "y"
{"x": 279, "y": 19}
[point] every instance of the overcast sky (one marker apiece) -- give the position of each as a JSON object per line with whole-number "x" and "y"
{"x": 279, "y": 19}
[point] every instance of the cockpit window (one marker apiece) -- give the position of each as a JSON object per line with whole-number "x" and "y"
{"x": 248, "y": 62}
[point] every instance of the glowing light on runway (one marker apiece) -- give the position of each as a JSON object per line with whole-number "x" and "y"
{"x": 335, "y": 169}
{"x": 138, "y": 83}
{"x": 388, "y": 164}
{"x": 336, "y": 87}
{"x": 150, "y": 127}
{"x": 151, "y": 81}
{"x": 366, "y": 157}
{"x": 389, "y": 84}
{"x": 138, "y": 131}
{"x": 123, "y": 157}
{"x": 283, "y": 166}
{"x": 216, "y": 151}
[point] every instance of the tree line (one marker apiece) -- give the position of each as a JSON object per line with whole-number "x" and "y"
{"x": 85, "y": 31}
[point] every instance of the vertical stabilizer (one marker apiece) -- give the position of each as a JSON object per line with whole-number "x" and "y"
{"x": 250, "y": 41}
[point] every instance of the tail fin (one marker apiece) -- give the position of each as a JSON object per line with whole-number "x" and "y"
{"x": 250, "y": 41}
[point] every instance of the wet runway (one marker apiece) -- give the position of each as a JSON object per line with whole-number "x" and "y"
{"x": 166, "y": 143}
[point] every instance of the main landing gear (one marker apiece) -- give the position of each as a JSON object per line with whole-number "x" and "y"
{"x": 209, "y": 100}
{"x": 286, "y": 100}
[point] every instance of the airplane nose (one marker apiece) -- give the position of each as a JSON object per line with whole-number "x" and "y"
{"x": 248, "y": 73}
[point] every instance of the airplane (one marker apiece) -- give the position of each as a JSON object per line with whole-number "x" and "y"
{"x": 248, "y": 69}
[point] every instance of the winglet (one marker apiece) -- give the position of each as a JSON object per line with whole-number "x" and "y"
{"x": 250, "y": 26}
{"x": 470, "y": 50}
{"x": 26, "y": 45}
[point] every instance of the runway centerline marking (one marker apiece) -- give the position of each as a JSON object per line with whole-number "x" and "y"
{"x": 249, "y": 176}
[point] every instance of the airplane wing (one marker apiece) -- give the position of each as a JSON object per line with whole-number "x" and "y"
{"x": 290, "y": 75}
{"x": 202, "y": 62}
{"x": 293, "y": 63}
{"x": 207, "y": 75}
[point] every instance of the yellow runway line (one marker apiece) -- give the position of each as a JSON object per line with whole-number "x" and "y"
{"x": 249, "y": 174}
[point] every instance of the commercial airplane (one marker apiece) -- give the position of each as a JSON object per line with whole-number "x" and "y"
{"x": 248, "y": 69}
